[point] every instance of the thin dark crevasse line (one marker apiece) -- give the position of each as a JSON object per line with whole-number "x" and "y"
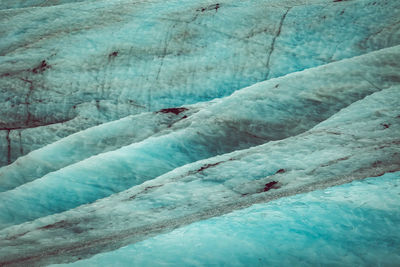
{"x": 274, "y": 40}
{"x": 34, "y": 125}
{"x": 372, "y": 84}
{"x": 167, "y": 41}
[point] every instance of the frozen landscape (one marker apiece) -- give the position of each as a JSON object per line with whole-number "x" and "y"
{"x": 198, "y": 133}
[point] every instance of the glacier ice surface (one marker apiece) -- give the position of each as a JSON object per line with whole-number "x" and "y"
{"x": 354, "y": 224}
{"x": 249, "y": 117}
{"x": 352, "y": 144}
{"x": 127, "y": 57}
{"x": 132, "y": 123}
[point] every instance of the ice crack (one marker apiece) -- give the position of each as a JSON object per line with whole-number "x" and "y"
{"x": 274, "y": 40}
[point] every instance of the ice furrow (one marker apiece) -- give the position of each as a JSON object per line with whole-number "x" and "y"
{"x": 272, "y": 110}
{"x": 92, "y": 141}
{"x": 333, "y": 152}
{"x": 39, "y": 163}
{"x": 221, "y": 53}
{"x": 340, "y": 223}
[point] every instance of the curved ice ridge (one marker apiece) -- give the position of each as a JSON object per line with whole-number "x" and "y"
{"x": 269, "y": 110}
{"x": 127, "y": 57}
{"x": 272, "y": 110}
{"x": 336, "y": 226}
{"x": 90, "y": 142}
{"x": 360, "y": 141}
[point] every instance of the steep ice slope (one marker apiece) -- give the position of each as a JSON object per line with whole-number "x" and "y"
{"x": 84, "y": 144}
{"x": 271, "y": 110}
{"x": 65, "y": 68}
{"x": 360, "y": 141}
{"x": 339, "y": 226}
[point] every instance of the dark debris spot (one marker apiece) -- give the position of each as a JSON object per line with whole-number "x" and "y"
{"x": 210, "y": 7}
{"x": 41, "y": 68}
{"x": 270, "y": 185}
{"x": 176, "y": 111}
{"x": 337, "y": 1}
{"x": 5, "y": 74}
{"x": 208, "y": 166}
{"x": 151, "y": 187}
{"x": 60, "y": 224}
{"x": 386, "y": 125}
{"x": 276, "y": 86}
{"x": 71, "y": 226}
{"x": 147, "y": 188}
{"x": 113, "y": 54}
{"x": 281, "y": 171}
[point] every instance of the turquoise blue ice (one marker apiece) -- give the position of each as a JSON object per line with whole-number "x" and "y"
{"x": 168, "y": 54}
{"x": 200, "y": 133}
{"x": 356, "y": 224}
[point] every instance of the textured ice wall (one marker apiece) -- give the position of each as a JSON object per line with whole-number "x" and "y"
{"x": 68, "y": 67}
{"x": 327, "y": 114}
{"x": 90, "y": 142}
{"x": 350, "y": 225}
{"x": 251, "y": 116}
{"x": 267, "y": 111}
{"x": 358, "y": 142}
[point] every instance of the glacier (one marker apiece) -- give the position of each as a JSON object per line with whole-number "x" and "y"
{"x": 259, "y": 115}
{"x": 196, "y": 133}
{"x": 335, "y": 226}
{"x": 336, "y": 150}
{"x": 128, "y": 56}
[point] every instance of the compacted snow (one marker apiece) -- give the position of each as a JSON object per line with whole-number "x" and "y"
{"x": 196, "y": 133}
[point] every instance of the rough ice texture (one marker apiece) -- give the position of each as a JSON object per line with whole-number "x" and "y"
{"x": 251, "y": 116}
{"x": 84, "y": 144}
{"x": 130, "y": 119}
{"x": 124, "y": 57}
{"x": 353, "y": 144}
{"x": 336, "y": 227}
{"x": 270, "y": 110}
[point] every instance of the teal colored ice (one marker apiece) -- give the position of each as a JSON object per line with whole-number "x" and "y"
{"x": 200, "y": 132}
{"x": 356, "y": 224}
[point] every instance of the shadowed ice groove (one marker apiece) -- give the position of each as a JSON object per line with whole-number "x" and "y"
{"x": 272, "y": 110}
{"x": 127, "y": 57}
{"x": 338, "y": 226}
{"x": 360, "y": 141}
{"x": 90, "y": 142}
